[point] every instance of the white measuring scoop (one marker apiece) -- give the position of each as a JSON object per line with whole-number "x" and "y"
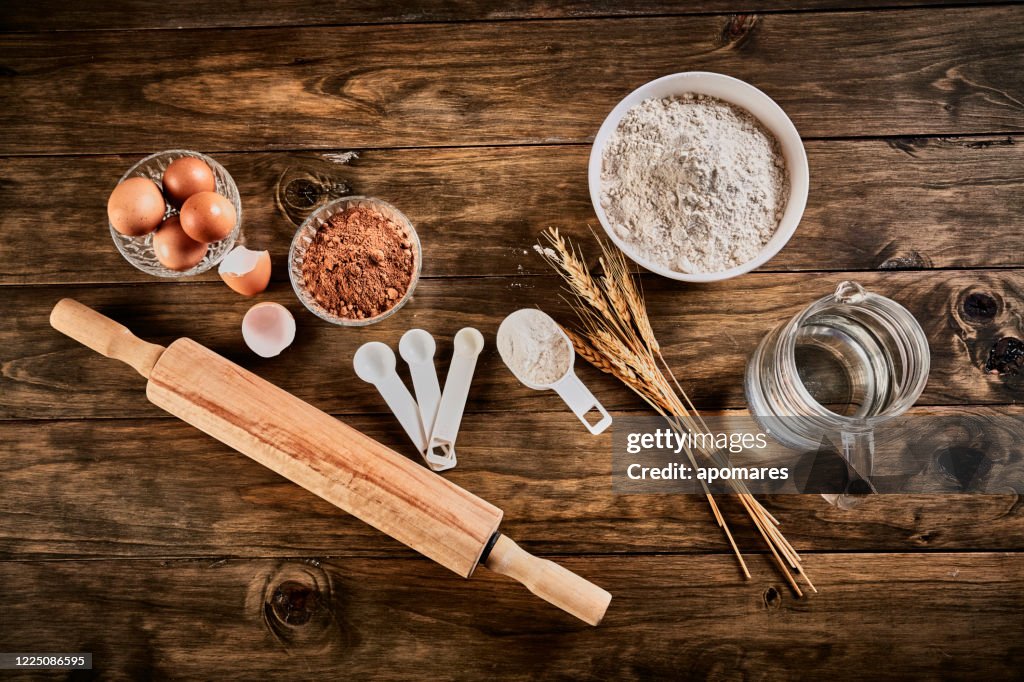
{"x": 468, "y": 344}
{"x": 577, "y": 396}
{"x": 417, "y": 348}
{"x": 375, "y": 363}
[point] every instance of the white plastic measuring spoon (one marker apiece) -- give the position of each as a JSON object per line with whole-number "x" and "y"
{"x": 374, "y": 363}
{"x": 417, "y": 349}
{"x": 577, "y": 396}
{"x": 468, "y": 344}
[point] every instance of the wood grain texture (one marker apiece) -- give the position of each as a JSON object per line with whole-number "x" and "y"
{"x": 155, "y": 488}
{"x": 132, "y": 535}
{"x": 672, "y": 618}
{"x": 707, "y": 333}
{"x": 953, "y": 71}
{"x": 50, "y": 15}
{"x": 902, "y": 203}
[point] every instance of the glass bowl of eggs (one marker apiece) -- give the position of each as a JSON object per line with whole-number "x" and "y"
{"x": 175, "y": 213}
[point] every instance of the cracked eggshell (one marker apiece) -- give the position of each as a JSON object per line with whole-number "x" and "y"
{"x": 268, "y": 328}
{"x": 246, "y": 271}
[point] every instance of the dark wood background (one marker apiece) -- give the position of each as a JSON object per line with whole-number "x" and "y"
{"x": 128, "y": 534}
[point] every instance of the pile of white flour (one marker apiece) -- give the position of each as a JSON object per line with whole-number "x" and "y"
{"x": 533, "y": 347}
{"x": 693, "y": 184}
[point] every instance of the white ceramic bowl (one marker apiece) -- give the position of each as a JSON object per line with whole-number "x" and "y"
{"x": 763, "y": 108}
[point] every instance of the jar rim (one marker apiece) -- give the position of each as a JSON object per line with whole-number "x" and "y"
{"x": 913, "y": 339}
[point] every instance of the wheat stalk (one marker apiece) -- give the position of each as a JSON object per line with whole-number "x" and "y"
{"x": 575, "y": 272}
{"x": 616, "y": 337}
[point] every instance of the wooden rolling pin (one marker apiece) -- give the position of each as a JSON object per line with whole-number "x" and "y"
{"x": 325, "y": 456}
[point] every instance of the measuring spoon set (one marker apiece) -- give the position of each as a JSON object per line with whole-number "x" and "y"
{"x": 431, "y": 420}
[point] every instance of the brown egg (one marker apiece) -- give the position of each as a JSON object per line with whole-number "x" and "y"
{"x": 174, "y": 249}
{"x": 207, "y": 217}
{"x": 136, "y": 207}
{"x": 187, "y": 176}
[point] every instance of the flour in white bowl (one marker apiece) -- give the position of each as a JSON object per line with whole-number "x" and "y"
{"x": 693, "y": 183}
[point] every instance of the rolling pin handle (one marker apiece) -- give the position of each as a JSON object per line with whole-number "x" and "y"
{"x": 103, "y": 335}
{"x": 549, "y": 581}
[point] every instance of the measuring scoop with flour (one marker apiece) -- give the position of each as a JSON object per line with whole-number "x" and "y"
{"x": 541, "y": 356}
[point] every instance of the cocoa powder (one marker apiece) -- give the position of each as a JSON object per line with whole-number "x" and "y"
{"x": 360, "y": 263}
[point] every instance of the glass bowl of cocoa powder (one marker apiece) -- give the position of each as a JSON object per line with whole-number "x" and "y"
{"x": 355, "y": 261}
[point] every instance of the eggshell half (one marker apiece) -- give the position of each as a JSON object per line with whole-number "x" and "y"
{"x": 246, "y": 271}
{"x": 268, "y": 328}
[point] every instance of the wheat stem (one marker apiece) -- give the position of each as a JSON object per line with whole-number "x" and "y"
{"x": 615, "y": 336}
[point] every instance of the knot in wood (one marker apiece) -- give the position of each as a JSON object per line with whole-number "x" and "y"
{"x": 299, "y": 605}
{"x": 912, "y": 260}
{"x": 739, "y": 29}
{"x": 1006, "y": 357}
{"x": 295, "y": 603}
{"x": 304, "y": 193}
{"x": 772, "y": 598}
{"x": 963, "y": 465}
{"x": 980, "y": 307}
{"x": 301, "y": 191}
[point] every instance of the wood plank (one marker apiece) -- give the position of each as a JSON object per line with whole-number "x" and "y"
{"x": 51, "y": 15}
{"x": 920, "y": 203}
{"x": 153, "y": 488}
{"x": 958, "y": 615}
{"x": 505, "y": 82}
{"x": 708, "y": 332}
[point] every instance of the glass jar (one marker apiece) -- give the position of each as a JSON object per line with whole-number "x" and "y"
{"x": 836, "y": 371}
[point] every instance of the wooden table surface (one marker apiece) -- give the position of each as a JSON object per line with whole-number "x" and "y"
{"x": 126, "y": 533}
